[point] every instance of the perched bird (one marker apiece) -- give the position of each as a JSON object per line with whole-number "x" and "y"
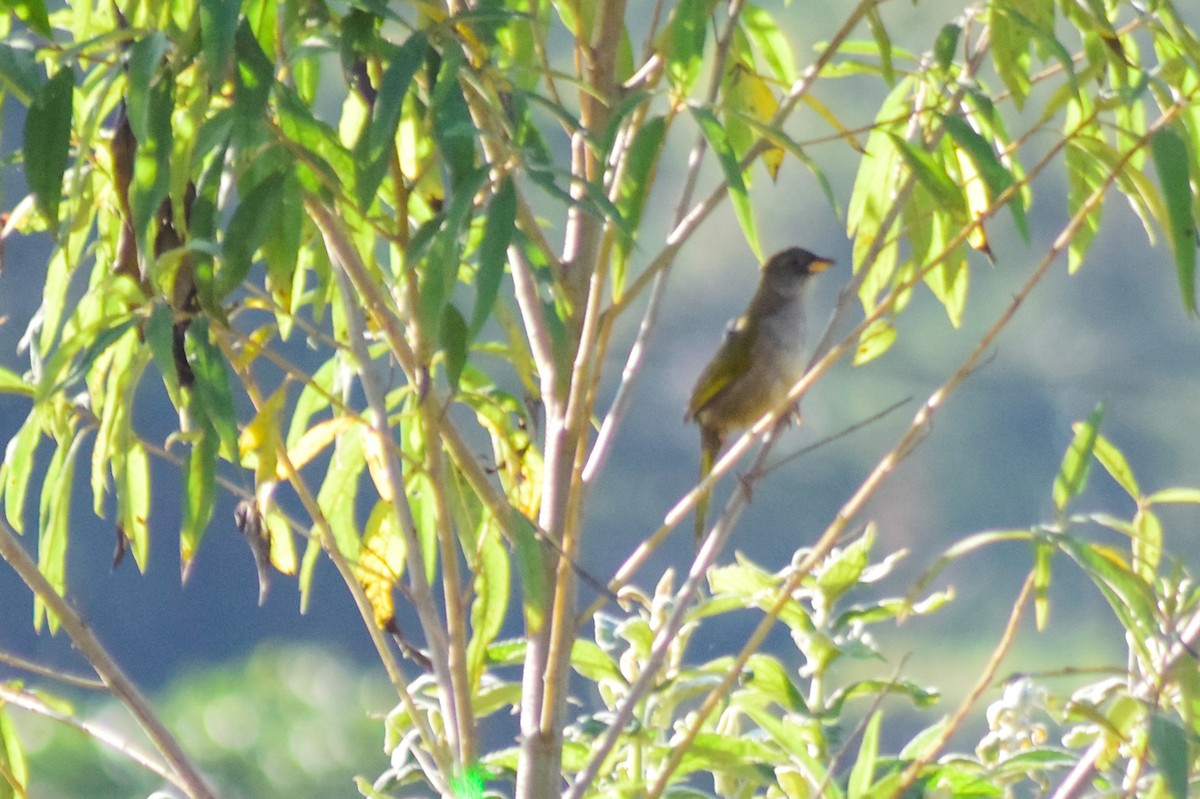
{"x": 759, "y": 361}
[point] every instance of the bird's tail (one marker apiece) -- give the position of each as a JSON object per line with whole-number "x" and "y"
{"x": 710, "y": 445}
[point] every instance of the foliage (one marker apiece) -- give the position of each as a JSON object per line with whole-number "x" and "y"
{"x": 338, "y": 297}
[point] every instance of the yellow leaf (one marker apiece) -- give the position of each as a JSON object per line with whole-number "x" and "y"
{"x": 259, "y": 441}
{"x": 978, "y": 201}
{"x": 760, "y": 102}
{"x": 380, "y": 563}
{"x": 283, "y": 548}
{"x": 315, "y": 439}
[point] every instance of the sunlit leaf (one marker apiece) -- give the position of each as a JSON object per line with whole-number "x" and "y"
{"x": 1113, "y": 461}
{"x": 1073, "y": 473}
{"x": 685, "y": 35}
{"x": 771, "y": 43}
{"x": 715, "y": 133}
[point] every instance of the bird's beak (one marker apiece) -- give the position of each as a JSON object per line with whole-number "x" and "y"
{"x": 820, "y": 265}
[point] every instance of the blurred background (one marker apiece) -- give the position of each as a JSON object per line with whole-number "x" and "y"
{"x": 305, "y": 687}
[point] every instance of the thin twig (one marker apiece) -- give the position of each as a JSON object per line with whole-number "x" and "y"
{"x": 18, "y": 662}
{"x": 982, "y": 683}
{"x": 186, "y": 776}
{"x": 31, "y": 702}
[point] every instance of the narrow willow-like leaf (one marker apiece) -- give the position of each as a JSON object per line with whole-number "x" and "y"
{"x": 12, "y": 756}
{"x": 254, "y": 218}
{"x": 1113, "y": 461}
{"x": 641, "y": 163}
{"x": 53, "y": 522}
{"x": 47, "y": 141}
{"x": 738, "y": 195}
{"x": 686, "y": 33}
{"x": 994, "y": 173}
{"x": 378, "y": 140}
{"x": 19, "y": 73}
{"x": 1147, "y": 543}
{"x": 1073, "y": 473}
{"x": 497, "y": 234}
{"x": 1084, "y": 175}
{"x": 492, "y": 586}
{"x": 1172, "y": 751}
{"x": 440, "y": 266}
{"x": 770, "y": 42}
{"x": 1130, "y": 598}
{"x": 213, "y": 398}
{"x": 218, "y": 25}
{"x": 198, "y": 495}
{"x": 133, "y": 503}
{"x": 339, "y": 489}
{"x": 1043, "y": 569}
{"x": 874, "y": 185}
{"x": 882, "y": 41}
{"x": 1172, "y": 161}
{"x": 862, "y": 774}
{"x": 452, "y": 125}
{"x": 453, "y": 334}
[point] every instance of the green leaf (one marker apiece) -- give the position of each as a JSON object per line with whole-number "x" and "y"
{"x": 254, "y": 79}
{"x": 686, "y": 30}
{"x": 376, "y": 144}
{"x": 994, "y": 173}
{"x": 1072, "y": 475}
{"x": 212, "y": 397}
{"x": 18, "y": 466}
{"x": 1147, "y": 546}
{"x": 945, "y": 46}
{"x": 54, "y": 521}
{"x": 932, "y": 175}
{"x": 493, "y": 584}
{"x": 1130, "y": 598}
{"x": 641, "y": 161}
{"x": 218, "y": 25}
{"x": 862, "y": 774}
{"x": 1170, "y": 747}
{"x": 715, "y": 134}
{"x": 19, "y": 73}
{"x": 339, "y": 489}
{"x": 257, "y": 214}
{"x": 1085, "y": 174}
{"x": 771, "y": 43}
{"x": 1172, "y": 162}
{"x": 454, "y": 339}
{"x": 200, "y": 488}
{"x": 1173, "y": 495}
{"x": 12, "y": 757}
{"x": 47, "y": 142}
{"x": 1013, "y": 25}
{"x": 882, "y": 41}
{"x": 531, "y": 568}
{"x": 1113, "y": 461}
{"x": 497, "y": 234}
{"x": 12, "y": 383}
{"x": 1043, "y": 565}
{"x": 453, "y": 128}
{"x": 133, "y": 503}
{"x": 32, "y": 13}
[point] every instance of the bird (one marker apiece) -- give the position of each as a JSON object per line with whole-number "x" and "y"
{"x": 759, "y": 361}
